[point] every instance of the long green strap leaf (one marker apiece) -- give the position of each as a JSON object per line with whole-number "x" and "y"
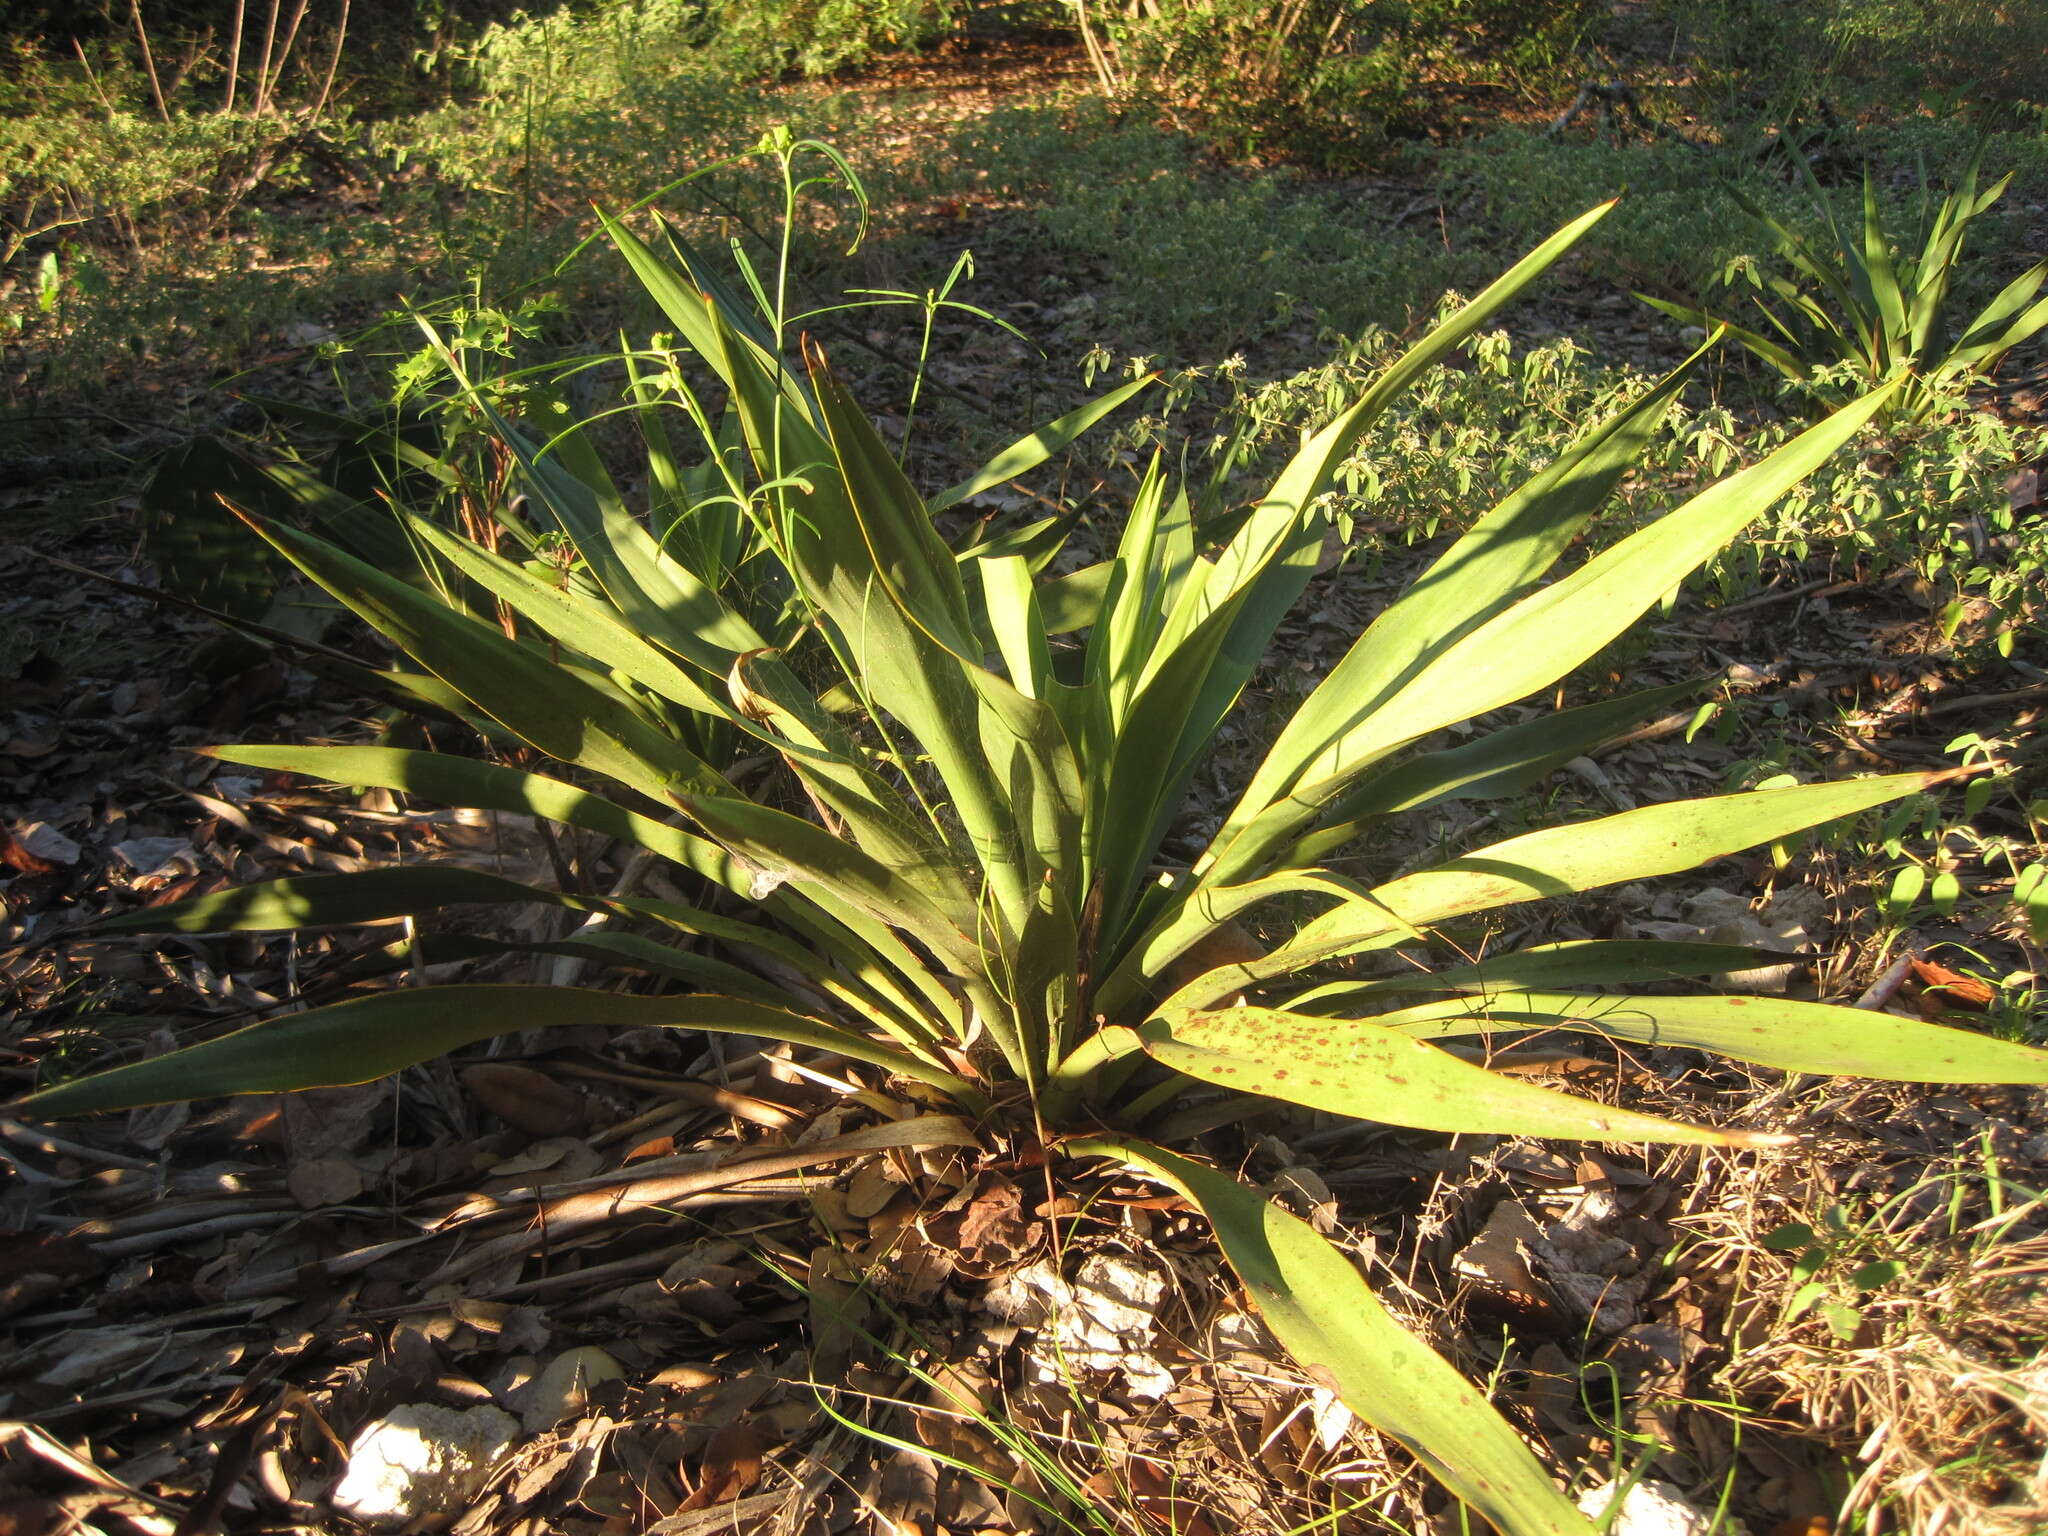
{"x": 603, "y": 946}
{"x": 530, "y": 695}
{"x": 1779, "y": 357}
{"x": 844, "y": 521}
{"x": 1769, "y": 1031}
{"x": 1478, "y": 576}
{"x": 371, "y": 1037}
{"x": 1557, "y": 861}
{"x": 327, "y": 901}
{"x": 557, "y": 608}
{"x": 1188, "y": 923}
{"x": 1279, "y": 513}
{"x": 1582, "y": 962}
{"x": 905, "y": 567}
{"x": 1027, "y": 453}
{"x": 1362, "y": 1068}
{"x": 1327, "y": 1317}
{"x": 783, "y": 848}
{"x": 381, "y": 895}
{"x": 449, "y": 780}
{"x": 1489, "y": 767}
{"x": 1539, "y": 639}
{"x": 820, "y": 753}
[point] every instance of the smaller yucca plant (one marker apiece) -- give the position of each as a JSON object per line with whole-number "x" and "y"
{"x": 1860, "y": 310}
{"x": 960, "y": 883}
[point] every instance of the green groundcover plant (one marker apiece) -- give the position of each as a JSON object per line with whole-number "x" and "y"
{"x": 961, "y": 883}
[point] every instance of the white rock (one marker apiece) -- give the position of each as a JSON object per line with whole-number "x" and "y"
{"x": 422, "y": 1464}
{"x": 1648, "y": 1509}
{"x": 1103, "y": 1321}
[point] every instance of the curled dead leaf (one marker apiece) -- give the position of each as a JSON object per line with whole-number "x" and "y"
{"x": 732, "y": 1465}
{"x": 527, "y": 1100}
{"x": 1945, "y": 989}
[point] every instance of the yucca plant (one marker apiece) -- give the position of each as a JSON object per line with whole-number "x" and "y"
{"x": 961, "y": 882}
{"x": 1859, "y": 311}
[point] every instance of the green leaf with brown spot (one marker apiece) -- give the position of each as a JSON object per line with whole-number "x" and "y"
{"x": 1769, "y": 1031}
{"x": 1362, "y": 1068}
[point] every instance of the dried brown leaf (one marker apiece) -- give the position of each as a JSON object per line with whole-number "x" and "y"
{"x": 527, "y": 1100}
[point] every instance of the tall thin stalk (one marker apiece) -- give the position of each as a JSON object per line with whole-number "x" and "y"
{"x": 333, "y": 64}
{"x": 284, "y": 54}
{"x": 156, "y": 87}
{"x": 93, "y": 79}
{"x": 263, "y": 60}
{"x": 227, "y": 105}
{"x": 1107, "y": 75}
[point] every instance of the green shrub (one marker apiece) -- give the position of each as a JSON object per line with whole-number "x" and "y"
{"x": 1324, "y": 81}
{"x": 135, "y": 172}
{"x": 1764, "y": 56}
{"x": 1687, "y": 204}
{"x": 820, "y": 36}
{"x": 1932, "y": 502}
{"x": 1683, "y": 223}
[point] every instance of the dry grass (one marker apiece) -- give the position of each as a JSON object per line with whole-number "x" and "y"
{"x": 1938, "y": 1397}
